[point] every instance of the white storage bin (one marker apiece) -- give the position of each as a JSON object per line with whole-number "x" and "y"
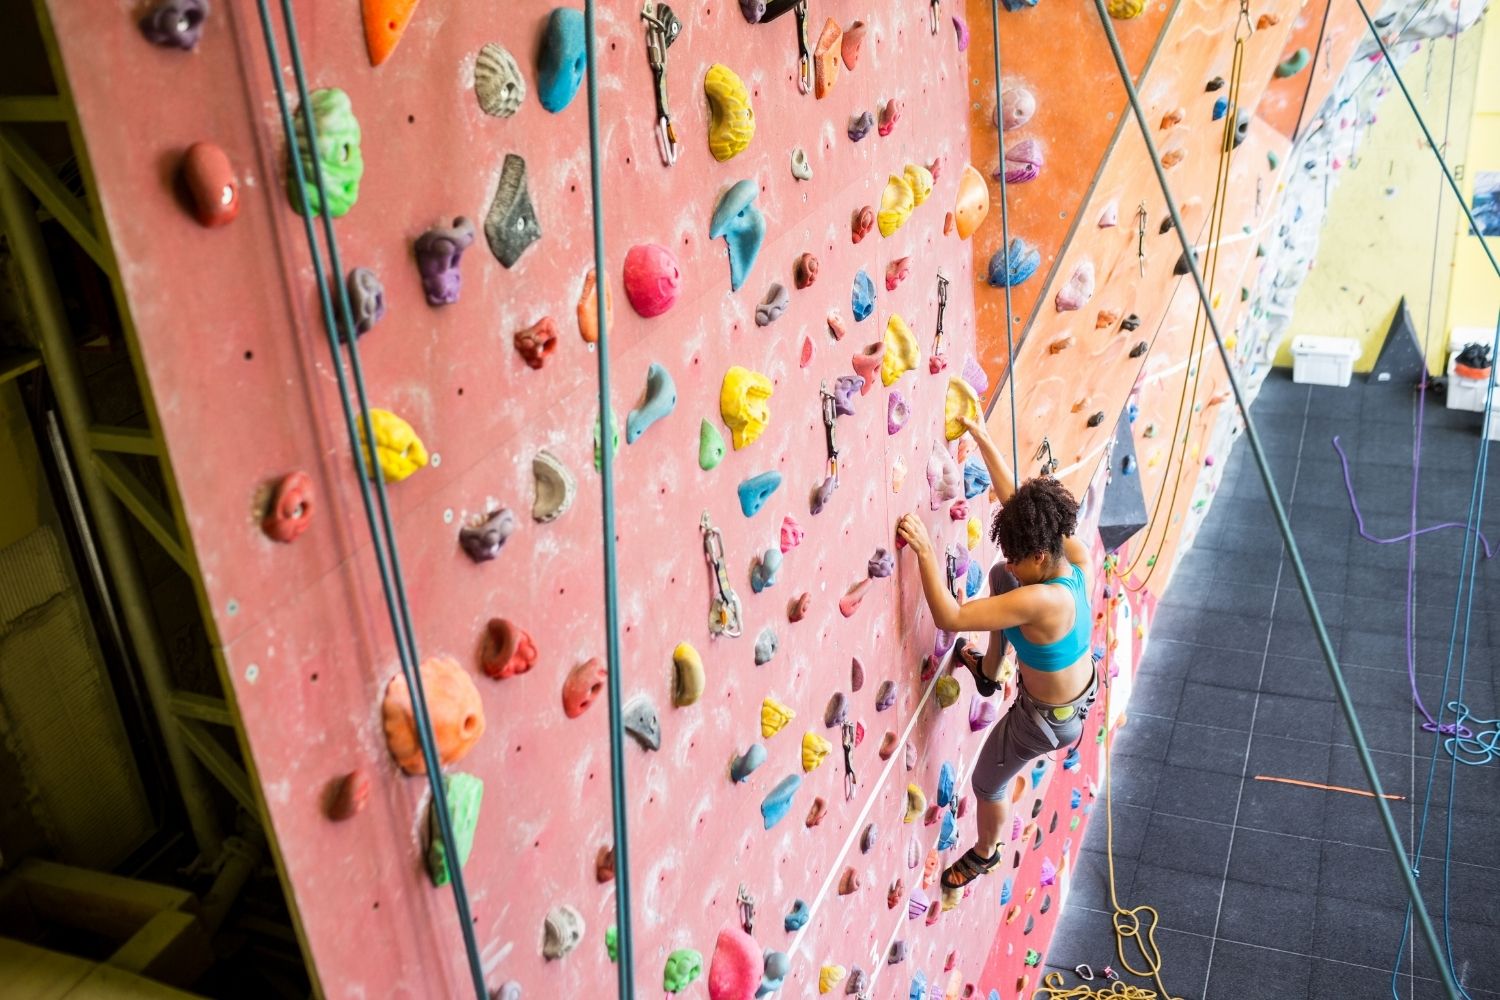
{"x": 1466, "y": 393}
{"x": 1323, "y": 360}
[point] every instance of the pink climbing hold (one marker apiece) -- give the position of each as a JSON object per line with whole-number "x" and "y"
{"x": 975, "y": 376}
{"x": 896, "y": 272}
{"x": 1110, "y": 217}
{"x": 942, "y": 642}
{"x": 849, "y": 603}
{"x": 1048, "y": 873}
{"x": 935, "y": 168}
{"x": 853, "y": 41}
{"x": 890, "y": 114}
{"x": 937, "y": 363}
{"x": 652, "y": 279}
{"x": 959, "y": 511}
{"x": 1017, "y": 105}
{"x": 734, "y": 973}
{"x": 1078, "y": 290}
{"x": 807, "y": 353}
{"x": 867, "y": 364}
{"x": 1023, "y": 162}
{"x": 796, "y": 608}
{"x": 961, "y": 28}
{"x": 982, "y": 713}
{"x": 944, "y": 478}
{"x": 791, "y": 534}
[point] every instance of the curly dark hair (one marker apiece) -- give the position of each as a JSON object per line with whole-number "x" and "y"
{"x": 1035, "y": 520}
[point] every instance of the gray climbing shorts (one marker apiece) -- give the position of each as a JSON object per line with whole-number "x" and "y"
{"x": 1031, "y": 729}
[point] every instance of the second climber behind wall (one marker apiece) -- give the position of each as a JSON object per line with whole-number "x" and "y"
{"x": 1039, "y": 604}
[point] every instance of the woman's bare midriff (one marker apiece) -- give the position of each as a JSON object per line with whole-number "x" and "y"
{"x": 1058, "y": 687}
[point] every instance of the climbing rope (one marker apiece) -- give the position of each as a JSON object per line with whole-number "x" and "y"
{"x": 1010, "y": 346}
{"x": 377, "y": 509}
{"x": 1312, "y": 73}
{"x": 1252, "y": 436}
{"x": 625, "y": 960}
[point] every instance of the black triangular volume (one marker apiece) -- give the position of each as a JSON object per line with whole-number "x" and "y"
{"x": 1401, "y": 359}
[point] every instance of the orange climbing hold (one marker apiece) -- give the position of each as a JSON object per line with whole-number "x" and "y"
{"x": 826, "y": 58}
{"x": 453, "y": 706}
{"x": 385, "y": 22}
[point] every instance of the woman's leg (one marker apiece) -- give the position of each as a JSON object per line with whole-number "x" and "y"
{"x": 991, "y": 815}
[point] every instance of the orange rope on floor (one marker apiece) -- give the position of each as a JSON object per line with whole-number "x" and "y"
{"x": 1329, "y": 788}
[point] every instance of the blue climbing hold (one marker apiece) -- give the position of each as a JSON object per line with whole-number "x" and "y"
{"x": 774, "y": 809}
{"x": 918, "y": 989}
{"x": 862, "y": 301}
{"x": 661, "y": 399}
{"x": 1014, "y": 5}
{"x": 948, "y": 831}
{"x": 976, "y": 478}
{"x": 1037, "y": 772}
{"x": 756, "y": 490}
{"x": 994, "y": 995}
{"x": 559, "y": 68}
{"x": 946, "y": 777}
{"x": 1221, "y": 108}
{"x": 773, "y": 973}
{"x": 974, "y": 579}
{"x": 1075, "y": 800}
{"x": 1015, "y": 265}
{"x": 763, "y": 573}
{"x": 797, "y": 919}
{"x": 1005, "y": 892}
{"x": 1071, "y": 761}
{"x": 1127, "y": 465}
{"x": 742, "y": 227}
{"x": 1132, "y": 411}
{"x": 745, "y": 764}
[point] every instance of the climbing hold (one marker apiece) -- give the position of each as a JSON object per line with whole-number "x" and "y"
{"x": 1017, "y": 105}
{"x": 972, "y": 203}
{"x": 836, "y": 711}
{"x": 801, "y": 168}
{"x": 806, "y": 356}
{"x": 982, "y": 713}
{"x": 862, "y": 300}
{"x": 916, "y": 803}
{"x": 943, "y": 477}
{"x": 856, "y": 674}
{"x": 849, "y": 882}
{"x": 1125, "y": 9}
{"x": 642, "y": 722}
{"x": 453, "y": 708}
{"x": 961, "y": 29}
{"x": 293, "y": 502}
{"x": 498, "y": 84}
{"x": 849, "y": 603}
{"x": 763, "y": 571}
{"x": 555, "y": 487}
{"x": 660, "y": 400}
{"x": 885, "y": 697}
{"x": 973, "y": 583}
{"x": 510, "y": 225}
{"x": 974, "y": 533}
{"x": 508, "y": 650}
{"x": 1294, "y": 64}
{"x": 1105, "y": 319}
{"x": 814, "y": 749}
{"x": 976, "y": 478}
{"x": 948, "y": 831}
{"x": 1130, "y": 322}
{"x": 731, "y": 123}
{"x": 585, "y": 682}
{"x": 756, "y": 490}
{"x": 775, "y": 806}
{"x": 349, "y": 795}
{"x": 561, "y": 932}
{"x": 710, "y": 446}
{"x": 753, "y": 10}
{"x": 897, "y": 953}
{"x": 1221, "y": 108}
{"x": 805, "y": 270}
{"x": 176, "y": 24}
{"x": 896, "y": 204}
{"x": 1173, "y": 118}
{"x": 612, "y": 943}
{"x": 896, "y": 412}
{"x": 588, "y": 308}
{"x": 464, "y": 792}
{"x": 777, "y": 965}
{"x": 901, "y": 351}
{"x": 614, "y": 435}
{"x": 797, "y": 607}
{"x": 537, "y": 342}
{"x": 766, "y": 644}
{"x": 484, "y": 533}
{"x": 1023, "y": 162}
{"x": 960, "y": 402}
{"x": 773, "y": 717}
{"x": 1015, "y": 264}
{"x": 942, "y": 642}
{"x": 683, "y": 966}
{"x": 881, "y": 564}
{"x": 744, "y": 407}
{"x": 1110, "y": 216}
{"x": 652, "y": 279}
{"x": 890, "y": 114}
{"x": 919, "y": 179}
{"x": 860, "y": 125}
{"x": 853, "y": 42}
{"x": 561, "y": 61}
{"x": 741, "y": 225}
{"x": 826, "y": 58}
{"x": 947, "y": 690}
{"x": 820, "y": 497}
{"x": 366, "y": 299}
{"x": 745, "y": 764}
{"x": 1242, "y": 130}
{"x": 888, "y": 745}
{"x": 687, "y": 675}
{"x": 397, "y": 447}
{"x": 947, "y": 779}
{"x": 209, "y": 179}
{"x": 338, "y": 154}
{"x": 791, "y": 534}
{"x": 861, "y": 223}
{"x": 896, "y": 272}
{"x": 816, "y": 812}
{"x": 735, "y": 970}
{"x": 830, "y": 976}
{"x": 866, "y": 363}
{"x": 1172, "y": 157}
{"x": 797, "y": 918}
{"x": 1182, "y": 266}
{"x": 1078, "y": 289}
{"x": 958, "y": 511}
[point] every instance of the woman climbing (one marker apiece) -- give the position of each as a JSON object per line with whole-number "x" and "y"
{"x": 1040, "y": 605}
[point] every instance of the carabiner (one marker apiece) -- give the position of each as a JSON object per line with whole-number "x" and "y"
{"x": 1140, "y": 246}
{"x": 1049, "y": 464}
{"x": 746, "y": 904}
{"x": 662, "y": 28}
{"x": 724, "y": 617}
{"x": 937, "y": 338}
{"x": 830, "y": 420}
{"x": 776, "y": 8}
{"x": 851, "y": 781}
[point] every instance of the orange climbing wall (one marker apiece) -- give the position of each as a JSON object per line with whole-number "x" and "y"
{"x": 233, "y": 348}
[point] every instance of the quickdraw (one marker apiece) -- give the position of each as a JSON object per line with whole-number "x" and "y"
{"x": 1045, "y": 456}
{"x": 776, "y": 8}
{"x": 851, "y": 781}
{"x": 830, "y": 418}
{"x": 724, "y": 605}
{"x": 662, "y": 29}
{"x": 937, "y": 338}
{"x": 1140, "y": 245}
{"x": 746, "y": 904}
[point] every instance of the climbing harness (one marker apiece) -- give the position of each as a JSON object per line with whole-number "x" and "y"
{"x": 937, "y": 338}
{"x": 776, "y": 8}
{"x": 662, "y": 29}
{"x": 851, "y": 780}
{"x": 746, "y": 905}
{"x": 830, "y": 420}
{"x": 338, "y": 324}
{"x": 1140, "y": 242}
{"x": 1044, "y": 455}
{"x": 724, "y": 604}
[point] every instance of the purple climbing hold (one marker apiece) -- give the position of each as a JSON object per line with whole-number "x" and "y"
{"x": 917, "y": 905}
{"x": 837, "y": 710}
{"x": 773, "y": 305}
{"x": 960, "y": 555}
{"x": 175, "y": 24}
{"x": 483, "y": 535}
{"x": 856, "y": 675}
{"x": 982, "y": 713}
{"x": 1048, "y": 872}
{"x": 753, "y": 10}
{"x": 868, "y": 838}
{"x": 886, "y": 696}
{"x": 439, "y": 251}
{"x": 897, "y": 954}
{"x": 881, "y": 564}
{"x": 822, "y": 495}
{"x": 911, "y": 756}
{"x": 961, "y": 28}
{"x": 844, "y": 391}
{"x": 975, "y": 376}
{"x": 942, "y": 642}
{"x": 1023, "y": 162}
{"x": 366, "y": 299}
{"x": 860, "y": 125}
{"x": 896, "y": 412}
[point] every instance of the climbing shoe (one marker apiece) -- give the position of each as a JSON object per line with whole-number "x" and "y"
{"x": 974, "y": 660}
{"x": 967, "y": 868}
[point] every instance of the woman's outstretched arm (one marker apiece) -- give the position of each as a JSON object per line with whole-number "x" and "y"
{"x": 984, "y": 615}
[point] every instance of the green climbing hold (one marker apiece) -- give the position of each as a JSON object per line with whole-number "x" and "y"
{"x": 464, "y": 793}
{"x": 1244, "y": 294}
{"x": 1294, "y": 64}
{"x": 1273, "y": 159}
{"x": 1073, "y": 823}
{"x": 710, "y": 446}
{"x": 683, "y": 966}
{"x": 337, "y": 152}
{"x": 947, "y": 690}
{"x": 1033, "y": 958}
{"x": 1099, "y": 737}
{"x": 612, "y": 943}
{"x": 614, "y": 427}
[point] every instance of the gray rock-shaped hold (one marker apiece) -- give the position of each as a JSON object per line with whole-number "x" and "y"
{"x": 886, "y": 696}
{"x": 858, "y": 983}
{"x": 561, "y": 932}
{"x": 765, "y": 646}
{"x": 777, "y": 965}
{"x": 498, "y": 83}
{"x": 366, "y": 299}
{"x": 745, "y": 764}
{"x": 773, "y": 305}
{"x": 881, "y": 564}
{"x": 555, "y": 487}
{"x": 510, "y": 991}
{"x": 511, "y": 225}
{"x": 483, "y": 535}
{"x": 837, "y": 710}
{"x": 641, "y": 721}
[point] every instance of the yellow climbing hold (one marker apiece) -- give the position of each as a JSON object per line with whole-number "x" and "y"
{"x": 901, "y": 351}
{"x": 973, "y": 202}
{"x": 687, "y": 675}
{"x": 743, "y": 404}
{"x": 830, "y": 976}
{"x": 731, "y": 123}
{"x": 919, "y": 179}
{"x": 916, "y": 804}
{"x": 960, "y": 402}
{"x": 773, "y": 717}
{"x": 975, "y": 533}
{"x": 896, "y": 204}
{"x": 947, "y": 690}
{"x": 814, "y": 749}
{"x": 1125, "y": 9}
{"x": 397, "y": 447}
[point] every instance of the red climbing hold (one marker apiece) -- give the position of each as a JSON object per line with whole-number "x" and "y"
{"x": 896, "y": 272}
{"x": 584, "y": 684}
{"x": 818, "y": 810}
{"x": 210, "y": 180}
{"x": 863, "y": 222}
{"x": 849, "y": 882}
{"x": 291, "y": 509}
{"x": 735, "y": 971}
{"x": 350, "y": 795}
{"x": 508, "y": 650}
{"x": 796, "y": 608}
{"x": 805, "y": 270}
{"x": 604, "y": 865}
{"x": 537, "y": 342}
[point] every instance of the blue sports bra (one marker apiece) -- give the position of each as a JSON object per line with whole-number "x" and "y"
{"x": 1059, "y": 655}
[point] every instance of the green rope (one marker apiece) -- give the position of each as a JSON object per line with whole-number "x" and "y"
{"x": 1325, "y": 644}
